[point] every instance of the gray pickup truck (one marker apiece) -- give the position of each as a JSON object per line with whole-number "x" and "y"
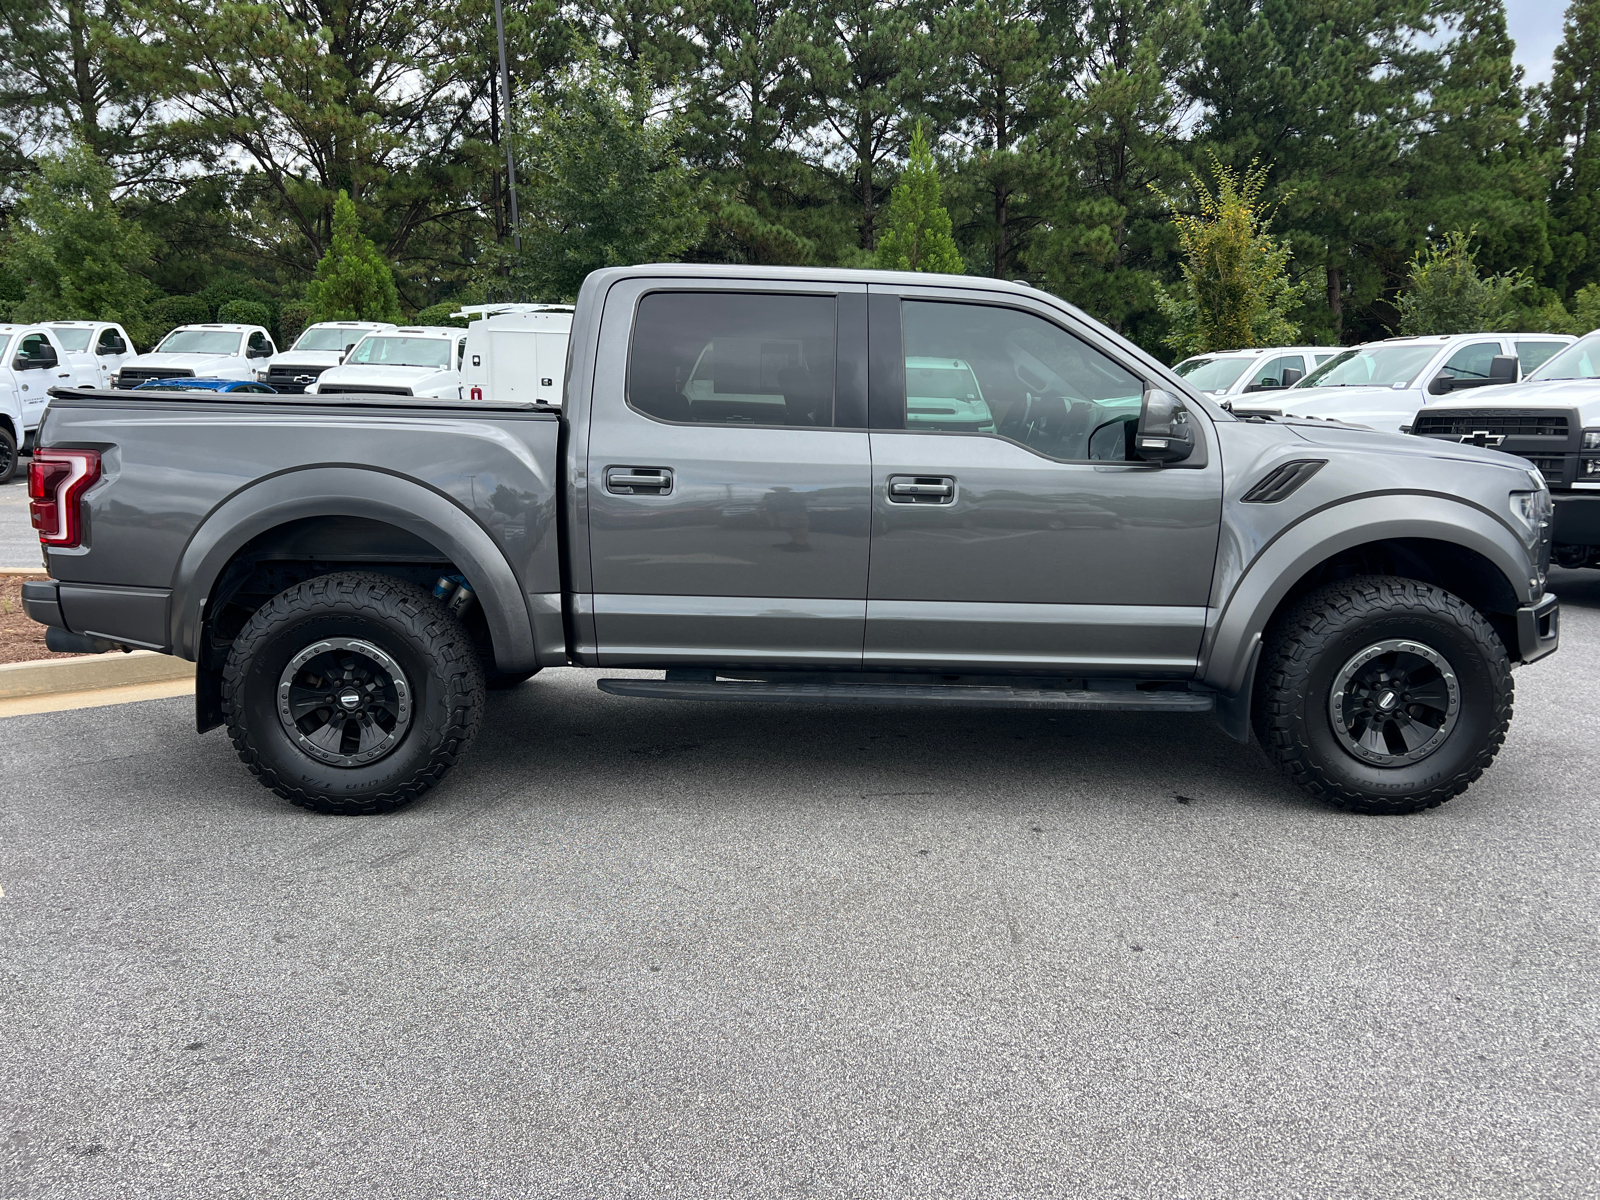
{"x": 804, "y": 486}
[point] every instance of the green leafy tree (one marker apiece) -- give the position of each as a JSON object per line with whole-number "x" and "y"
{"x": 605, "y": 188}
{"x": 245, "y": 312}
{"x": 353, "y": 282}
{"x": 918, "y": 234}
{"x": 1236, "y": 289}
{"x": 1446, "y": 294}
{"x": 72, "y": 250}
{"x": 1570, "y": 133}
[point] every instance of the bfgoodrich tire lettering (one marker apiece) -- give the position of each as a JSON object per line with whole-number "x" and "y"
{"x": 1311, "y": 649}
{"x": 414, "y": 636}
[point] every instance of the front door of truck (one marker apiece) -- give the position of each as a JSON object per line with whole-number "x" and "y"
{"x": 1010, "y": 530}
{"x": 728, "y": 482}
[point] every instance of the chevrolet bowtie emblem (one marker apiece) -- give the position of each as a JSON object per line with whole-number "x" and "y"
{"x": 1482, "y": 437}
{"x": 305, "y": 378}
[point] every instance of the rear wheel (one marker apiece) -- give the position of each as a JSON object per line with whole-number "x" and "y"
{"x": 8, "y": 454}
{"x": 1383, "y": 695}
{"x": 352, "y": 693}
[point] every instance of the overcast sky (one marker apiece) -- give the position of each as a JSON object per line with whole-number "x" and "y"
{"x": 1536, "y": 28}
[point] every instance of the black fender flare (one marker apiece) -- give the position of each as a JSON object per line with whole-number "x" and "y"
{"x": 1231, "y": 645}
{"x": 353, "y": 492}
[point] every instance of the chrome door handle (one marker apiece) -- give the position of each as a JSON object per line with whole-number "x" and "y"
{"x": 634, "y": 481}
{"x": 921, "y": 489}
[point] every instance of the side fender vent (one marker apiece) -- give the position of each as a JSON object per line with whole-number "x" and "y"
{"x": 1283, "y": 481}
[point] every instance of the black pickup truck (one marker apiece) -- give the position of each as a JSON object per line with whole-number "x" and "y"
{"x": 790, "y": 485}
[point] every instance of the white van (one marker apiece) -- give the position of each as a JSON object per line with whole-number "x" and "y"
{"x": 211, "y": 351}
{"x": 1384, "y": 384}
{"x": 318, "y": 348}
{"x": 517, "y": 351}
{"x": 32, "y": 361}
{"x": 97, "y": 348}
{"x": 412, "y": 360}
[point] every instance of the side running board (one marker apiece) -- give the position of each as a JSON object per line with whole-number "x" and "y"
{"x": 1117, "y": 699}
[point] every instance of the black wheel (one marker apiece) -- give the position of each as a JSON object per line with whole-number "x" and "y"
{"x": 352, "y": 693}
{"x": 497, "y": 680}
{"x": 8, "y": 454}
{"x": 1383, "y": 695}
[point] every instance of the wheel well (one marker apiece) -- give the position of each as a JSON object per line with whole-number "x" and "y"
{"x": 292, "y": 553}
{"x": 5, "y": 423}
{"x": 1462, "y": 572}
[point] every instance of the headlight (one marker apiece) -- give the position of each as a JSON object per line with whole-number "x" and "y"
{"x": 1525, "y": 508}
{"x": 1591, "y": 439}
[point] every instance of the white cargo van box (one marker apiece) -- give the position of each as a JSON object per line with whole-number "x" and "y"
{"x": 518, "y": 352}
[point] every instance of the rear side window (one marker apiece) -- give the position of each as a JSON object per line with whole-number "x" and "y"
{"x": 1533, "y": 355}
{"x": 976, "y": 368}
{"x": 733, "y": 358}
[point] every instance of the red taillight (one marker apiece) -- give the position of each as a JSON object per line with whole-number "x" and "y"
{"x": 57, "y": 480}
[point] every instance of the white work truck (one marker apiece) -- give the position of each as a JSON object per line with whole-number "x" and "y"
{"x": 209, "y": 351}
{"x": 413, "y": 360}
{"x": 96, "y": 349}
{"x": 516, "y": 352}
{"x": 319, "y": 347}
{"x": 32, "y": 361}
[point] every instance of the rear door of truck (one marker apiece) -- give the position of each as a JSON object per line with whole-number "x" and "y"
{"x": 729, "y": 474}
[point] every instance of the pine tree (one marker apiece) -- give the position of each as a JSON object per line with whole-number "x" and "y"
{"x": 1447, "y": 295}
{"x": 1236, "y": 290}
{"x": 918, "y": 234}
{"x": 1571, "y": 133}
{"x": 352, "y": 283}
{"x": 72, "y": 251}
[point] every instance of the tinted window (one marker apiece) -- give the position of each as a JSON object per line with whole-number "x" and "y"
{"x": 258, "y": 341}
{"x": 109, "y": 342}
{"x": 1533, "y": 355}
{"x": 1471, "y": 362}
{"x": 732, "y": 358}
{"x": 34, "y": 345}
{"x": 973, "y": 368}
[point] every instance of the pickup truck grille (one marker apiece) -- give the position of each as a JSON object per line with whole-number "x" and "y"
{"x": 1500, "y": 424}
{"x": 363, "y": 389}
{"x": 132, "y": 377}
{"x": 292, "y": 381}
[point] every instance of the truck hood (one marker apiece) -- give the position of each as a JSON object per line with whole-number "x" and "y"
{"x": 319, "y": 359}
{"x": 1545, "y": 393}
{"x": 1337, "y": 436}
{"x": 1314, "y": 402}
{"x": 194, "y": 362}
{"x": 423, "y": 381}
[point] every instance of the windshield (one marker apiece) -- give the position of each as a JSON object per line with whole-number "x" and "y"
{"x": 329, "y": 339}
{"x": 1213, "y": 374}
{"x": 1372, "y": 366}
{"x": 72, "y": 340}
{"x": 402, "y": 352}
{"x": 199, "y": 341}
{"x": 1581, "y": 360}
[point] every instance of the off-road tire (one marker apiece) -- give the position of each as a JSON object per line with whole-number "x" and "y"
{"x": 1308, "y": 646}
{"x": 404, "y": 621}
{"x": 8, "y": 454}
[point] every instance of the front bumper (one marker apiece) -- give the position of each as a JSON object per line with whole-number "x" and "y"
{"x": 1577, "y": 520}
{"x": 1538, "y": 629}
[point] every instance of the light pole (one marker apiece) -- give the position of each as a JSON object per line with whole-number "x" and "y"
{"x": 505, "y": 94}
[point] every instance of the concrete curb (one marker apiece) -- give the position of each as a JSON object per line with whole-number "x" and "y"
{"x": 25, "y": 572}
{"x": 90, "y": 672}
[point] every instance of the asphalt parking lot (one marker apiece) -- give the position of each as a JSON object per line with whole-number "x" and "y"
{"x": 644, "y": 949}
{"x": 19, "y": 544}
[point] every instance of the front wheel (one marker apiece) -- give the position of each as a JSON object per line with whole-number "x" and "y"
{"x": 8, "y": 454}
{"x": 1383, "y": 695}
{"x": 352, "y": 693}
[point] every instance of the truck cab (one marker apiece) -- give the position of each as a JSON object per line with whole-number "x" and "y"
{"x": 97, "y": 349}
{"x": 214, "y": 350}
{"x": 411, "y": 360}
{"x": 33, "y": 359}
{"x": 319, "y": 347}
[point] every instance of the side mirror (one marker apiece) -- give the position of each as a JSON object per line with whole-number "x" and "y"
{"x": 115, "y": 346}
{"x": 1503, "y": 368}
{"x": 1163, "y": 435}
{"x": 1256, "y": 387}
{"x": 1442, "y": 385}
{"x": 1292, "y": 376}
